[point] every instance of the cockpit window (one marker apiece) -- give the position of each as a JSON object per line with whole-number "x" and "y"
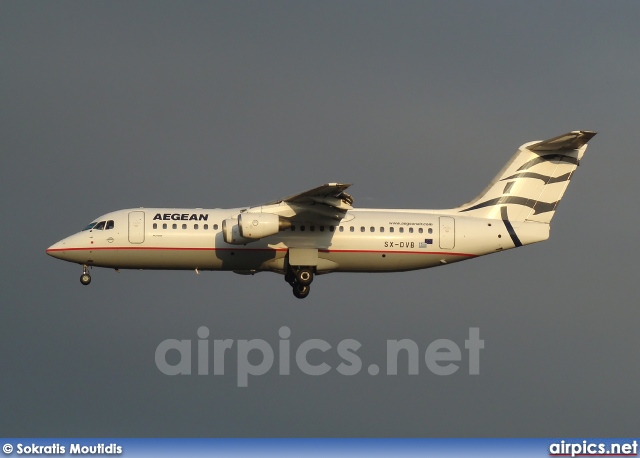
{"x": 99, "y": 226}
{"x": 89, "y": 226}
{"x": 109, "y": 224}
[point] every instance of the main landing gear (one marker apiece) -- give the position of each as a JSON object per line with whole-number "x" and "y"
{"x": 85, "y": 278}
{"x": 299, "y": 278}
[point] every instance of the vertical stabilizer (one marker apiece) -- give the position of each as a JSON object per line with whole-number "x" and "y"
{"x": 532, "y": 183}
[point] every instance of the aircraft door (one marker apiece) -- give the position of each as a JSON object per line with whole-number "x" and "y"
{"x": 136, "y": 227}
{"x": 447, "y": 232}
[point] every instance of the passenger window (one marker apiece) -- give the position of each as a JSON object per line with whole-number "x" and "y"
{"x": 195, "y": 226}
{"x": 321, "y": 228}
{"x": 341, "y": 228}
{"x": 312, "y": 228}
{"x": 430, "y": 231}
{"x": 381, "y": 229}
{"x": 164, "y": 226}
{"x": 99, "y": 226}
{"x": 373, "y": 229}
{"x": 155, "y": 226}
{"x": 293, "y": 228}
{"x": 184, "y": 226}
{"x": 361, "y": 228}
{"x": 390, "y": 229}
{"x": 352, "y": 229}
{"x": 302, "y": 228}
{"x": 401, "y": 230}
{"x": 332, "y": 228}
{"x": 420, "y": 230}
{"x": 215, "y": 227}
{"x": 205, "y": 227}
{"x": 174, "y": 225}
{"x": 110, "y": 224}
{"x": 410, "y": 230}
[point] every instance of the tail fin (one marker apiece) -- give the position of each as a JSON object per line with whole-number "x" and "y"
{"x": 532, "y": 183}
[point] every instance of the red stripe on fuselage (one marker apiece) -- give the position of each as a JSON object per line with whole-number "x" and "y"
{"x": 256, "y": 249}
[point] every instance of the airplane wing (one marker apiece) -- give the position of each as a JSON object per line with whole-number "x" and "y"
{"x": 331, "y": 194}
{"x": 324, "y": 204}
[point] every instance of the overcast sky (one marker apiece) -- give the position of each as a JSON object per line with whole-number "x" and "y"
{"x": 110, "y": 105}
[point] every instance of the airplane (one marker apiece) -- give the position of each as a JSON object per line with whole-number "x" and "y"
{"x": 318, "y": 231}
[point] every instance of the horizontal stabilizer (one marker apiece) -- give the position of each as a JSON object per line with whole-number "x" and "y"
{"x": 569, "y": 141}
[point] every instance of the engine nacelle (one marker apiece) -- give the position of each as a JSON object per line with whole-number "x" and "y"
{"x": 258, "y": 225}
{"x": 231, "y": 233}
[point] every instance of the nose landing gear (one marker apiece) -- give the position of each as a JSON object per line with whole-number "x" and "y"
{"x": 299, "y": 278}
{"x": 85, "y": 278}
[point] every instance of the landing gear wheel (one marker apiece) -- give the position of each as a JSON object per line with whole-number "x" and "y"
{"x": 85, "y": 279}
{"x": 301, "y": 291}
{"x": 304, "y": 277}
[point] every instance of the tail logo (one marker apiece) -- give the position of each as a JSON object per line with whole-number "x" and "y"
{"x": 536, "y": 205}
{"x": 549, "y": 157}
{"x": 533, "y": 182}
{"x": 512, "y": 233}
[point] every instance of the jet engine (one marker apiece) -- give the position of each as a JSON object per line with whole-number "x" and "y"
{"x": 259, "y": 225}
{"x": 249, "y": 227}
{"x": 231, "y": 232}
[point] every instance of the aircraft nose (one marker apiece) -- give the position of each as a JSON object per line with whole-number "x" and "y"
{"x": 57, "y": 249}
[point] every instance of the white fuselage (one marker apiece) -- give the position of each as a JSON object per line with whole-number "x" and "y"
{"x": 319, "y": 231}
{"x": 365, "y": 240}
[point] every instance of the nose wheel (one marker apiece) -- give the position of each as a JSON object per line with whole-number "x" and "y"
{"x": 85, "y": 278}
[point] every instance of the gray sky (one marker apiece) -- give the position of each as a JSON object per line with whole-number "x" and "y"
{"x": 110, "y": 105}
